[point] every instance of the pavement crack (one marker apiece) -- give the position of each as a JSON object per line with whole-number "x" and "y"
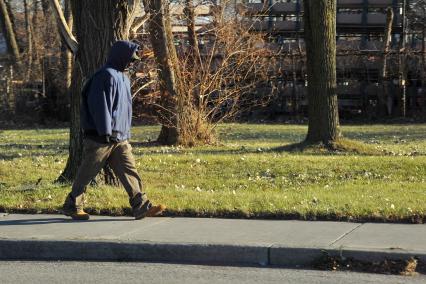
{"x": 345, "y": 234}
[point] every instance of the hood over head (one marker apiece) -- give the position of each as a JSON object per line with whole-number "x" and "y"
{"x": 120, "y": 54}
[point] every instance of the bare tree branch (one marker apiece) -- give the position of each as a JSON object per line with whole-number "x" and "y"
{"x": 139, "y": 23}
{"x": 66, "y": 34}
{"x": 9, "y": 32}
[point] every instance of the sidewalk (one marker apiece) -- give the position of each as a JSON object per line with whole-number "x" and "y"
{"x": 197, "y": 240}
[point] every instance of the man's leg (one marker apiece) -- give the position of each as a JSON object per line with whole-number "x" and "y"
{"x": 94, "y": 158}
{"x": 122, "y": 163}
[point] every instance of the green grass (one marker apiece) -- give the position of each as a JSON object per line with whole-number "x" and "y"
{"x": 248, "y": 175}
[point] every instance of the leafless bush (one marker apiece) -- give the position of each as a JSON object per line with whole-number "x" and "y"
{"x": 218, "y": 79}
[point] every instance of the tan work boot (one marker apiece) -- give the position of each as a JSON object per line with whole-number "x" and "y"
{"x": 76, "y": 214}
{"x": 153, "y": 210}
{"x": 80, "y": 215}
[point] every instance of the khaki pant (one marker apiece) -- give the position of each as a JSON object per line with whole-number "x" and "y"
{"x": 120, "y": 158}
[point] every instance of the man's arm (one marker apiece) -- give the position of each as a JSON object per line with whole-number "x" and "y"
{"x": 100, "y": 99}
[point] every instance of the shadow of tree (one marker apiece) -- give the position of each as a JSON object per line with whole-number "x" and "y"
{"x": 44, "y": 221}
{"x": 9, "y": 151}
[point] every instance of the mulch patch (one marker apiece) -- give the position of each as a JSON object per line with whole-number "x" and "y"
{"x": 409, "y": 267}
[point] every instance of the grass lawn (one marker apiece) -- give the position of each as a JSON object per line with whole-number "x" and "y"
{"x": 247, "y": 176}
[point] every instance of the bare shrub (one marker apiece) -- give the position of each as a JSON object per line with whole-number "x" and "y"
{"x": 218, "y": 79}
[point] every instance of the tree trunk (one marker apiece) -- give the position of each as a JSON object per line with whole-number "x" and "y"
{"x": 29, "y": 41}
{"x": 9, "y": 32}
{"x": 49, "y": 65}
{"x": 35, "y": 39}
{"x": 13, "y": 21}
{"x": 424, "y": 47}
{"x": 11, "y": 15}
{"x": 402, "y": 62}
{"x": 67, "y": 56}
{"x": 161, "y": 37}
{"x": 98, "y": 24}
{"x": 294, "y": 96}
{"x": 76, "y": 135}
{"x": 320, "y": 37}
{"x": 194, "y": 62}
{"x": 138, "y": 23}
{"x": 192, "y": 36}
{"x": 383, "y": 98}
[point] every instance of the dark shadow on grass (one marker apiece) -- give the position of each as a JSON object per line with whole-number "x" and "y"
{"x": 145, "y": 144}
{"x": 389, "y": 135}
{"x": 34, "y": 146}
{"x": 290, "y": 148}
{"x": 151, "y": 144}
{"x": 214, "y": 151}
{"x": 9, "y": 151}
{"x": 274, "y": 136}
{"x": 342, "y": 146}
{"x": 55, "y": 221}
{"x": 10, "y": 157}
{"x": 294, "y": 147}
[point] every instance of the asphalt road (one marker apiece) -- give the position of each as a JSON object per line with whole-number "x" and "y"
{"x": 118, "y": 272}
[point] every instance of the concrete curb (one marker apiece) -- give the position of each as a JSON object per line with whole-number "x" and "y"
{"x": 286, "y": 256}
{"x": 219, "y": 254}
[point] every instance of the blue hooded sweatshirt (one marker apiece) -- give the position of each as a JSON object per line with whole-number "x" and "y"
{"x": 107, "y": 100}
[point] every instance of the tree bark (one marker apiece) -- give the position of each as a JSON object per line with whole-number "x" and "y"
{"x": 424, "y": 47}
{"x": 320, "y": 37}
{"x": 192, "y": 36}
{"x": 294, "y": 96}
{"x": 388, "y": 34}
{"x": 383, "y": 74}
{"x": 161, "y": 37}
{"x": 13, "y": 21}
{"x": 11, "y": 15}
{"x": 194, "y": 60}
{"x": 402, "y": 57}
{"x": 9, "y": 31}
{"x": 98, "y": 24}
{"x": 138, "y": 24}
{"x": 65, "y": 29}
{"x": 35, "y": 38}
{"x": 66, "y": 53}
{"x": 29, "y": 41}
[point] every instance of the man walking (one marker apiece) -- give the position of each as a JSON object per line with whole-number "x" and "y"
{"x": 106, "y": 114}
